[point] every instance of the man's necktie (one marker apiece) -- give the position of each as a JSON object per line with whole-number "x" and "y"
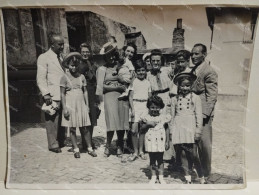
{"x": 159, "y": 83}
{"x": 60, "y": 61}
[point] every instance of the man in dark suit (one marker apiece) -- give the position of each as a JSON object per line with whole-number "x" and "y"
{"x": 206, "y": 86}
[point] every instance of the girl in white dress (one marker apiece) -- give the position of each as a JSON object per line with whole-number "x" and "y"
{"x": 74, "y": 101}
{"x": 186, "y": 123}
{"x": 157, "y": 136}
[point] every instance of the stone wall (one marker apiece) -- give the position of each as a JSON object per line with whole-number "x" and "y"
{"x": 19, "y": 37}
{"x": 102, "y": 27}
{"x": 26, "y": 34}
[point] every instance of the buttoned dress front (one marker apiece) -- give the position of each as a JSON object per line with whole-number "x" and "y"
{"x": 155, "y": 137}
{"x": 186, "y": 118}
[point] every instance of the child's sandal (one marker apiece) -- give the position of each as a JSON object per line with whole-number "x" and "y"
{"x": 143, "y": 156}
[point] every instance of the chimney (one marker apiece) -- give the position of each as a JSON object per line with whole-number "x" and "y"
{"x": 178, "y": 36}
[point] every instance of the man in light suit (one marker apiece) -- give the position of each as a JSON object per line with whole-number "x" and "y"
{"x": 49, "y": 73}
{"x": 206, "y": 86}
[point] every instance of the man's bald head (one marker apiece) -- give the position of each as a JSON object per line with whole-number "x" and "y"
{"x": 56, "y": 43}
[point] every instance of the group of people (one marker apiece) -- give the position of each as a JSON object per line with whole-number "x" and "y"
{"x": 160, "y": 99}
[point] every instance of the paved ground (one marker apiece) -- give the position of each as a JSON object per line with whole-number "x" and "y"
{"x": 31, "y": 162}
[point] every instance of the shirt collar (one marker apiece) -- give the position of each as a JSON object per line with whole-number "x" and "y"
{"x": 52, "y": 52}
{"x": 198, "y": 69}
{"x": 187, "y": 96}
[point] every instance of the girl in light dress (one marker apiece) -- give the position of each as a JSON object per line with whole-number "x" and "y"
{"x": 186, "y": 124}
{"x": 157, "y": 136}
{"x": 74, "y": 101}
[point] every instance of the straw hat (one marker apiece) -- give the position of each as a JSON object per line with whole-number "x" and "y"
{"x": 146, "y": 55}
{"x": 74, "y": 55}
{"x": 182, "y": 75}
{"x": 108, "y": 48}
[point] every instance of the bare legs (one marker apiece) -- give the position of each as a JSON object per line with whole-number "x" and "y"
{"x": 192, "y": 157}
{"x": 138, "y": 142}
{"x": 74, "y": 142}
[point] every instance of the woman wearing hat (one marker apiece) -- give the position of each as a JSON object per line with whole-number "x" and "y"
{"x": 186, "y": 123}
{"x": 74, "y": 101}
{"x": 116, "y": 112}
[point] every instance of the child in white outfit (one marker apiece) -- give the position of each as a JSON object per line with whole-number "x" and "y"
{"x": 138, "y": 97}
{"x": 157, "y": 136}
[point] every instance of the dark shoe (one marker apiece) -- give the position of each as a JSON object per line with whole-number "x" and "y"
{"x": 71, "y": 150}
{"x": 107, "y": 152}
{"x": 56, "y": 150}
{"x": 77, "y": 155}
{"x": 92, "y": 153}
{"x": 119, "y": 152}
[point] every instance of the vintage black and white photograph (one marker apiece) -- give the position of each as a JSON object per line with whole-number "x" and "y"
{"x": 104, "y": 97}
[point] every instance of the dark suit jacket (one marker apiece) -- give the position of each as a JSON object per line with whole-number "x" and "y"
{"x": 206, "y": 86}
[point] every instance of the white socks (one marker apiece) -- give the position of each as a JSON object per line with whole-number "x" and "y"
{"x": 188, "y": 179}
{"x": 161, "y": 179}
{"x": 202, "y": 180}
{"x": 153, "y": 180}
{"x": 76, "y": 150}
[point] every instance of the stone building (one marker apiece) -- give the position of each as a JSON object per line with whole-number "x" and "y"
{"x": 26, "y": 35}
